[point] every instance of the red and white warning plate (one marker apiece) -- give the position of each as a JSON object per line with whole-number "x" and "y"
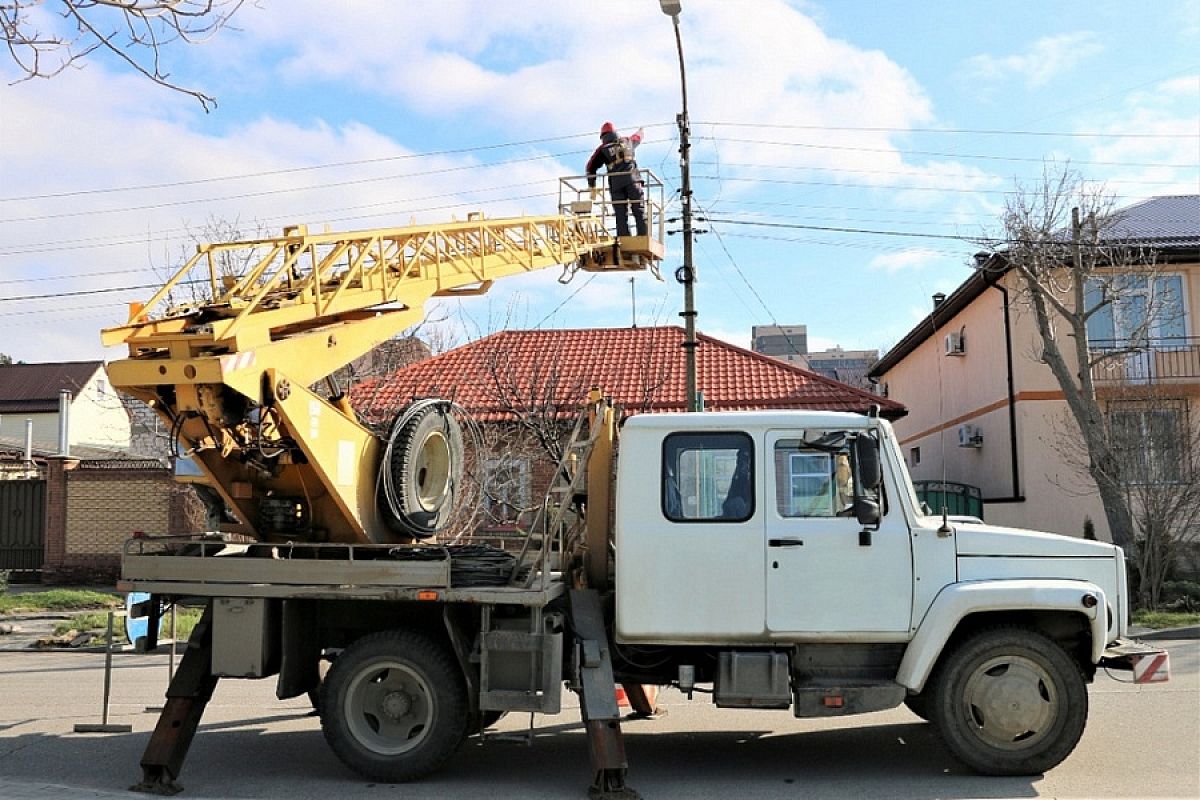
{"x": 1152, "y": 667}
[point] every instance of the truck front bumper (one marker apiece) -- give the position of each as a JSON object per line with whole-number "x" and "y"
{"x": 1148, "y": 664}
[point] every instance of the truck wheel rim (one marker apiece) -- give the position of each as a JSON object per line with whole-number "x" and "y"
{"x": 389, "y": 708}
{"x": 431, "y": 468}
{"x": 1010, "y": 703}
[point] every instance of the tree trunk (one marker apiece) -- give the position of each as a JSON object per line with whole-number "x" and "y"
{"x": 1116, "y": 510}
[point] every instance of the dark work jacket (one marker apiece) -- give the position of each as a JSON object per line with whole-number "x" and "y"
{"x": 600, "y": 158}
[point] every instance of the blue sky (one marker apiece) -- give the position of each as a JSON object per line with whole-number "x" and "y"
{"x": 910, "y": 118}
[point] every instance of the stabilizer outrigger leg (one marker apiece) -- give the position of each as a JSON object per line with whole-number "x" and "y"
{"x": 598, "y": 701}
{"x": 190, "y": 690}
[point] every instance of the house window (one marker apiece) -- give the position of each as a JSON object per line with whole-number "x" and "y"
{"x": 1136, "y": 311}
{"x": 914, "y": 455}
{"x": 101, "y": 389}
{"x": 508, "y": 488}
{"x": 1149, "y": 438}
{"x": 708, "y": 477}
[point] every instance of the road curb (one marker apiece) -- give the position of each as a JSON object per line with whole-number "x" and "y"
{"x": 1165, "y": 634}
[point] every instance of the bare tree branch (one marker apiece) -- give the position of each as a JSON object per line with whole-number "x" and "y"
{"x": 135, "y": 31}
{"x": 1060, "y": 240}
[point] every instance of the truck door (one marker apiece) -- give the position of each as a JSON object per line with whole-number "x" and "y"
{"x": 689, "y": 533}
{"x": 822, "y": 577}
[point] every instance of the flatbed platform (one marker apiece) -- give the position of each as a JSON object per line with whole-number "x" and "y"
{"x": 207, "y": 567}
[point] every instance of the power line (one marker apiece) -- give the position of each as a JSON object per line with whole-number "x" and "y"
{"x": 940, "y": 154}
{"x": 291, "y": 217}
{"x": 309, "y": 168}
{"x": 72, "y": 276}
{"x": 84, "y": 292}
{"x": 290, "y": 190}
{"x": 899, "y": 173}
{"x": 168, "y": 233}
{"x": 843, "y": 185}
{"x": 831, "y": 229}
{"x": 971, "y": 131}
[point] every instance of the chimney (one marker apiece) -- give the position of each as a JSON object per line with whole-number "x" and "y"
{"x": 64, "y": 422}
{"x": 938, "y": 299}
{"x": 28, "y": 441}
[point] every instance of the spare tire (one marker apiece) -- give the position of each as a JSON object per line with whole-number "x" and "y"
{"x": 424, "y": 461}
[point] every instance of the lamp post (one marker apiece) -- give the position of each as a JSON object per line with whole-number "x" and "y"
{"x": 687, "y": 273}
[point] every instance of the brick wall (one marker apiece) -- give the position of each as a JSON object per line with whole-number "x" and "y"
{"x": 92, "y": 508}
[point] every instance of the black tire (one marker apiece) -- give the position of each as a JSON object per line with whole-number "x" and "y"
{"x": 394, "y": 706}
{"x": 426, "y": 470}
{"x": 1009, "y": 701}
{"x": 921, "y": 704}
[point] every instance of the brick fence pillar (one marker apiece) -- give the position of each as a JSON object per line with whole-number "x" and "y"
{"x": 55, "y": 542}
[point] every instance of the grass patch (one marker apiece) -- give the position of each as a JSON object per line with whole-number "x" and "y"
{"x": 94, "y": 622}
{"x": 97, "y": 622}
{"x": 57, "y": 600}
{"x": 1165, "y": 619}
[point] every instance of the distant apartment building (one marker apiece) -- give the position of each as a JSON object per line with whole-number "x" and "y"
{"x": 847, "y": 366}
{"x": 785, "y": 342}
{"x": 790, "y": 343}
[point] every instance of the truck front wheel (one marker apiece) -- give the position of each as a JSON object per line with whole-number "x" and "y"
{"x": 1010, "y": 701}
{"x": 393, "y": 706}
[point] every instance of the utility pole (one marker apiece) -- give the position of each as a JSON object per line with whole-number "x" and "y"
{"x": 687, "y": 273}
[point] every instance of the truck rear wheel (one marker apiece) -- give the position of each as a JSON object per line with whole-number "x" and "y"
{"x": 393, "y": 706}
{"x": 1010, "y": 701}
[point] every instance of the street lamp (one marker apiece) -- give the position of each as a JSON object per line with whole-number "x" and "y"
{"x": 687, "y": 273}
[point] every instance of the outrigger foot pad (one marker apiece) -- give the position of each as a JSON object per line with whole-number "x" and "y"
{"x": 156, "y": 782}
{"x": 610, "y": 785}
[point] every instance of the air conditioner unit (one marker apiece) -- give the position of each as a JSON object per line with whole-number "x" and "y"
{"x": 970, "y": 436}
{"x": 956, "y": 343}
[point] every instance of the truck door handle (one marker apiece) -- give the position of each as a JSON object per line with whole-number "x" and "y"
{"x": 785, "y": 542}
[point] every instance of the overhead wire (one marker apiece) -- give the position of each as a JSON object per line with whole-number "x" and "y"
{"x": 568, "y": 137}
{"x": 314, "y": 167}
{"x": 969, "y": 131}
{"x": 285, "y": 190}
{"x": 942, "y": 154}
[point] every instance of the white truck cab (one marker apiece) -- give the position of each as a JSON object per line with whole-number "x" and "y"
{"x": 794, "y": 541}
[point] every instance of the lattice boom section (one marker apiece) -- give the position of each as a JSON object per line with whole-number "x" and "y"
{"x": 319, "y": 276}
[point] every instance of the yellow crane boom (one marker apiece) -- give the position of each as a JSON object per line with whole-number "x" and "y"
{"x": 227, "y": 355}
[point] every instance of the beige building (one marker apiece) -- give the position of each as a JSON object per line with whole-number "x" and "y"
{"x": 986, "y": 412}
{"x": 96, "y": 416}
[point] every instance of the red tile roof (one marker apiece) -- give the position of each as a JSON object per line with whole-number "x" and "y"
{"x": 33, "y": 388}
{"x": 641, "y": 368}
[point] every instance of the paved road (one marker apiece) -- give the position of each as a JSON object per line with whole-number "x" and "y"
{"x": 1141, "y": 742}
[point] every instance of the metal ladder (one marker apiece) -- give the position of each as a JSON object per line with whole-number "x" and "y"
{"x": 552, "y": 529}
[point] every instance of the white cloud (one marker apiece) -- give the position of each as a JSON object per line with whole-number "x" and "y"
{"x": 914, "y": 258}
{"x": 1040, "y": 62}
{"x": 1153, "y": 148}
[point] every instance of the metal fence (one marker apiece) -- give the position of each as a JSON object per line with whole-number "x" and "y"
{"x": 22, "y": 525}
{"x": 1166, "y": 359}
{"x": 958, "y": 498}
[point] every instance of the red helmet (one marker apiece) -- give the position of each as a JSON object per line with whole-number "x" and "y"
{"x": 607, "y": 128}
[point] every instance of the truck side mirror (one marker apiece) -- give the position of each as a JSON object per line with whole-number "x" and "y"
{"x": 866, "y": 510}
{"x": 867, "y": 477}
{"x": 867, "y": 472}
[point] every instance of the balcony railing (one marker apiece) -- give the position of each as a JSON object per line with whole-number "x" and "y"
{"x": 1169, "y": 359}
